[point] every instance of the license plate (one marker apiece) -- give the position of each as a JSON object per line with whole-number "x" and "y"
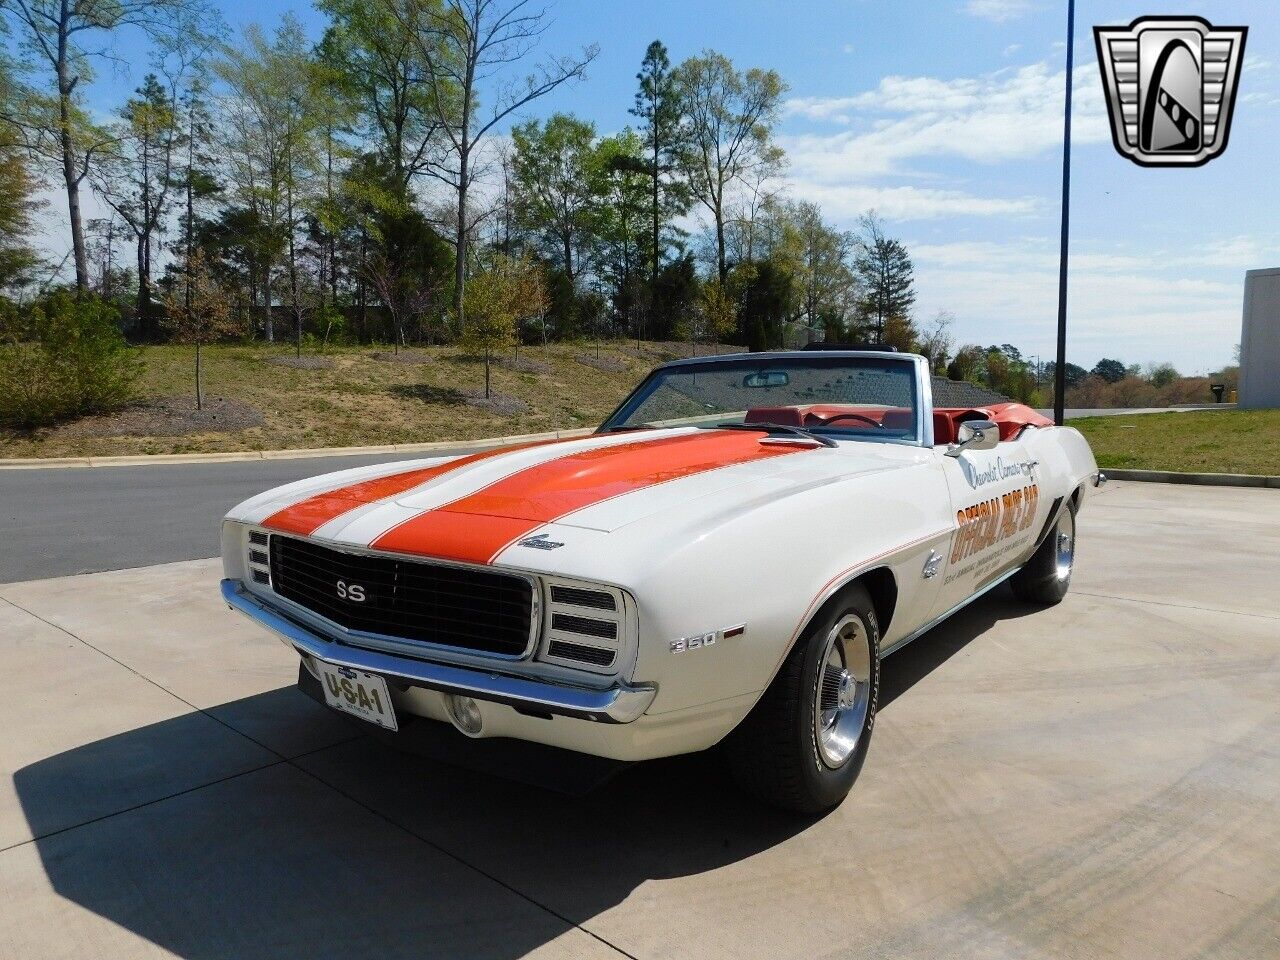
{"x": 360, "y": 694}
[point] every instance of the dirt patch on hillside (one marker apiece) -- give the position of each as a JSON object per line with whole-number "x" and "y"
{"x": 500, "y": 403}
{"x": 607, "y": 364}
{"x": 302, "y": 363}
{"x": 404, "y": 356}
{"x": 169, "y": 417}
{"x": 525, "y": 365}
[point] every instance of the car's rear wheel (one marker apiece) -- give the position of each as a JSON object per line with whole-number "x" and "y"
{"x": 1047, "y": 575}
{"x": 804, "y": 743}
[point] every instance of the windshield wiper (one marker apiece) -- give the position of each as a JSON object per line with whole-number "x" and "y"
{"x": 777, "y": 428}
{"x": 621, "y": 427}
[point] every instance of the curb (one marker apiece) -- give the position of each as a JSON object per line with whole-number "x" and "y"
{"x": 159, "y": 459}
{"x": 1200, "y": 479}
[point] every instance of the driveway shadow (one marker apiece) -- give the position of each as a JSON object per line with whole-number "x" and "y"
{"x": 904, "y": 668}
{"x": 355, "y": 850}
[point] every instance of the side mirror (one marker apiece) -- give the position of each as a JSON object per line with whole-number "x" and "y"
{"x": 974, "y": 435}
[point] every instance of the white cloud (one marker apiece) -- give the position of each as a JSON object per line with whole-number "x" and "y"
{"x": 843, "y": 202}
{"x": 849, "y": 48}
{"x": 997, "y": 11}
{"x": 1137, "y": 307}
{"x": 1011, "y": 49}
{"x": 906, "y": 125}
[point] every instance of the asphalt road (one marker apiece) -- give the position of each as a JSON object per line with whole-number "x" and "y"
{"x": 1093, "y": 780}
{"x": 61, "y": 521}
{"x": 67, "y": 520}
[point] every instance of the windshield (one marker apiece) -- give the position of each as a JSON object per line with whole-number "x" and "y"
{"x": 826, "y": 395}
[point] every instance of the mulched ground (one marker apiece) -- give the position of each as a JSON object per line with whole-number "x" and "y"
{"x": 524, "y": 365}
{"x": 302, "y": 363}
{"x": 404, "y": 356}
{"x": 169, "y": 417}
{"x": 607, "y": 364}
{"x": 499, "y": 403}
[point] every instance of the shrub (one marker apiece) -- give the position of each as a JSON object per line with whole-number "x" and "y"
{"x": 63, "y": 357}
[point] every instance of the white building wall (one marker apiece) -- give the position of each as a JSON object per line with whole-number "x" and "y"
{"x": 1260, "y": 340}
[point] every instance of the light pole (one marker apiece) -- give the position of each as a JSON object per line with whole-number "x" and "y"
{"x": 1060, "y": 367}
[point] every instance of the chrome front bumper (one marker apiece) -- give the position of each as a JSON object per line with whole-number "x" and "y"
{"x": 621, "y": 703}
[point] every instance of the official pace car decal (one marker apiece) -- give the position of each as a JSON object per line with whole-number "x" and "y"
{"x": 1002, "y": 521}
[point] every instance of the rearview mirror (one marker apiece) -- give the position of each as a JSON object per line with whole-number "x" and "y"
{"x": 974, "y": 435}
{"x": 766, "y": 378}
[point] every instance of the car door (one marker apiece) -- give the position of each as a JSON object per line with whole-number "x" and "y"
{"x": 997, "y": 510}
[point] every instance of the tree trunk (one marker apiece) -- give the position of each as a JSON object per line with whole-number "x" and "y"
{"x": 65, "y": 86}
{"x": 199, "y": 393}
{"x": 142, "y": 304}
{"x": 486, "y": 373}
{"x": 460, "y": 246}
{"x": 268, "y": 323}
{"x": 721, "y": 262}
{"x": 657, "y": 239}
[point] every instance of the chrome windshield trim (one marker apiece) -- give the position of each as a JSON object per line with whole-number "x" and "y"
{"x": 621, "y": 703}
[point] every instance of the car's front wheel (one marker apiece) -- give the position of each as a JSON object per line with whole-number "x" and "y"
{"x": 804, "y": 743}
{"x": 1047, "y": 575}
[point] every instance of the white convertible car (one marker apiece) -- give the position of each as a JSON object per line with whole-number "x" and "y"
{"x": 727, "y": 558}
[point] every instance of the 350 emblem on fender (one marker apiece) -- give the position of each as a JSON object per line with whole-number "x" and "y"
{"x": 351, "y": 591}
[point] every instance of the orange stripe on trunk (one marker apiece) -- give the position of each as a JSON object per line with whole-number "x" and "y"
{"x": 307, "y": 516}
{"x": 476, "y": 528}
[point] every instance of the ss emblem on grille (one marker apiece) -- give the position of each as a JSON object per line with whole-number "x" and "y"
{"x": 351, "y": 591}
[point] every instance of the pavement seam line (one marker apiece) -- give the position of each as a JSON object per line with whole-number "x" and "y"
{"x": 1179, "y": 606}
{"x": 282, "y": 759}
{"x": 168, "y": 796}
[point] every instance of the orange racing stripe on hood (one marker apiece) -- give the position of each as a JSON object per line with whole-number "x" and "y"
{"x": 307, "y": 516}
{"x": 477, "y": 527}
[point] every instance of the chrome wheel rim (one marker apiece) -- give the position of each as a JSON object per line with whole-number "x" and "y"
{"x": 843, "y": 691}
{"x": 1066, "y": 544}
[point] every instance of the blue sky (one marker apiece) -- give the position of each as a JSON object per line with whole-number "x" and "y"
{"x": 946, "y": 117}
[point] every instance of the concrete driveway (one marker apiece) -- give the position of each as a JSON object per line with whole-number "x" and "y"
{"x": 1093, "y": 781}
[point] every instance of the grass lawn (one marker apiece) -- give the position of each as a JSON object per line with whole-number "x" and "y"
{"x": 355, "y": 399}
{"x": 1225, "y": 441}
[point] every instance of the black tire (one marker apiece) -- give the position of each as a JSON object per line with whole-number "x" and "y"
{"x": 1047, "y": 575}
{"x": 777, "y": 753}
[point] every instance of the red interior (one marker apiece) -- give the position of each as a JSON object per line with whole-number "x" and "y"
{"x": 1009, "y": 417}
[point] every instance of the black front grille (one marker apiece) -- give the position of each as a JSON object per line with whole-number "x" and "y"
{"x": 413, "y": 600}
{"x": 589, "y": 626}
{"x": 581, "y": 652}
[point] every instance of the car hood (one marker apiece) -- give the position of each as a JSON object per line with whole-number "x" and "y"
{"x": 471, "y": 509}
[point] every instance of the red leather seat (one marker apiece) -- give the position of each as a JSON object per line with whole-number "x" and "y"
{"x": 783, "y": 416}
{"x": 944, "y": 428}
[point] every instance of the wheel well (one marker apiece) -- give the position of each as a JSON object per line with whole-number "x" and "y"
{"x": 884, "y": 594}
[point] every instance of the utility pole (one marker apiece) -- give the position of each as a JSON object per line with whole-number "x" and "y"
{"x": 1060, "y": 368}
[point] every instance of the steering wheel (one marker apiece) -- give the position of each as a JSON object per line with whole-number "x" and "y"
{"x": 852, "y": 416}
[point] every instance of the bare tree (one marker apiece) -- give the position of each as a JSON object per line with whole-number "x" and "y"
{"x": 730, "y": 119}
{"x": 466, "y": 46}
{"x": 53, "y": 35}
